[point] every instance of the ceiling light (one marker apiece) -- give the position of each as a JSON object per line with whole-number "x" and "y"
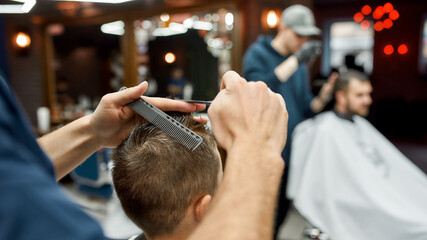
{"x": 188, "y": 23}
{"x": 18, "y": 8}
{"x": 170, "y": 57}
{"x": 115, "y": 28}
{"x": 272, "y": 19}
{"x": 22, "y": 40}
{"x": 402, "y": 49}
{"x": 28, "y": 5}
{"x": 229, "y": 19}
{"x": 173, "y": 29}
{"x": 164, "y": 17}
{"x": 11, "y": 8}
{"x": 97, "y": 1}
{"x": 201, "y": 25}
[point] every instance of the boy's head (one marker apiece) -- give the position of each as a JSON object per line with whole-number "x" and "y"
{"x": 162, "y": 185}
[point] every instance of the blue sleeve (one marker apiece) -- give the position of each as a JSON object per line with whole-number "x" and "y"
{"x": 256, "y": 68}
{"x": 307, "y": 93}
{"x": 32, "y": 206}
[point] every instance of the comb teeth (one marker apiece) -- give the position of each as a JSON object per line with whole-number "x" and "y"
{"x": 178, "y": 131}
{"x": 167, "y": 124}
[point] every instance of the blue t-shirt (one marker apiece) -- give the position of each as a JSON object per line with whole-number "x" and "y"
{"x": 32, "y": 206}
{"x": 259, "y": 63}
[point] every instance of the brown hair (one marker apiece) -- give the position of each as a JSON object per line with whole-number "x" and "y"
{"x": 157, "y": 178}
{"x": 344, "y": 78}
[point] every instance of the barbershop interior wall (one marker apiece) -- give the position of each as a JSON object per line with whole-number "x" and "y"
{"x": 400, "y": 92}
{"x": 253, "y": 16}
{"x": 4, "y": 68}
{"x": 25, "y": 71}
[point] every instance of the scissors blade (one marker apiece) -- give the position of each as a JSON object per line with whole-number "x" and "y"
{"x": 199, "y": 101}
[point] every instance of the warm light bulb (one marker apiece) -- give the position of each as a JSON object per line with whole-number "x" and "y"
{"x": 365, "y": 24}
{"x": 170, "y": 57}
{"x": 388, "y": 23}
{"x": 229, "y": 19}
{"x": 23, "y": 40}
{"x": 358, "y": 17}
{"x": 388, "y": 50}
{"x": 378, "y": 26}
{"x": 393, "y": 15}
{"x": 378, "y": 12}
{"x": 164, "y": 17}
{"x": 271, "y": 19}
{"x": 366, "y": 10}
{"x": 388, "y": 7}
{"x": 402, "y": 49}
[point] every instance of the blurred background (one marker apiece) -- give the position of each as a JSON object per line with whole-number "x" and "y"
{"x": 63, "y": 56}
{"x": 78, "y": 51}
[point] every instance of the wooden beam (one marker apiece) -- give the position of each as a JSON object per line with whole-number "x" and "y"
{"x": 128, "y": 49}
{"x": 49, "y": 74}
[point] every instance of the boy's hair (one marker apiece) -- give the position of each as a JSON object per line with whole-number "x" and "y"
{"x": 157, "y": 178}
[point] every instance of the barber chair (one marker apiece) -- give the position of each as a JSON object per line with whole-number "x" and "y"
{"x": 92, "y": 176}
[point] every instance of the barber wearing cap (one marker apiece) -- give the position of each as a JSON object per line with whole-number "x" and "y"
{"x": 281, "y": 63}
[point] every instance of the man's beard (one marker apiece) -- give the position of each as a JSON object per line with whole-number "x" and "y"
{"x": 351, "y": 112}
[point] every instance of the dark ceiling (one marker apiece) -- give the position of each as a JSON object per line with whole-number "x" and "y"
{"x": 50, "y": 9}
{"x": 53, "y": 8}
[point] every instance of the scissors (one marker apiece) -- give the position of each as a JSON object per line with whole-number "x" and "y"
{"x": 199, "y": 101}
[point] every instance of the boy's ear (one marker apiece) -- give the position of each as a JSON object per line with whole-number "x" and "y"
{"x": 201, "y": 207}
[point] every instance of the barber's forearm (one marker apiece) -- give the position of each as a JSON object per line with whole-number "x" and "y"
{"x": 243, "y": 207}
{"x": 317, "y": 104}
{"x": 285, "y": 70}
{"x": 69, "y": 146}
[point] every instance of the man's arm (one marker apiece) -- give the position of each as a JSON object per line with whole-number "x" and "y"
{"x": 243, "y": 207}
{"x": 287, "y": 68}
{"x": 111, "y": 122}
{"x": 307, "y": 54}
{"x": 250, "y": 122}
{"x": 325, "y": 94}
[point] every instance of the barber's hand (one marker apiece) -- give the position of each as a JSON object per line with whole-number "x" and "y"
{"x": 309, "y": 51}
{"x": 248, "y": 113}
{"x": 112, "y": 120}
